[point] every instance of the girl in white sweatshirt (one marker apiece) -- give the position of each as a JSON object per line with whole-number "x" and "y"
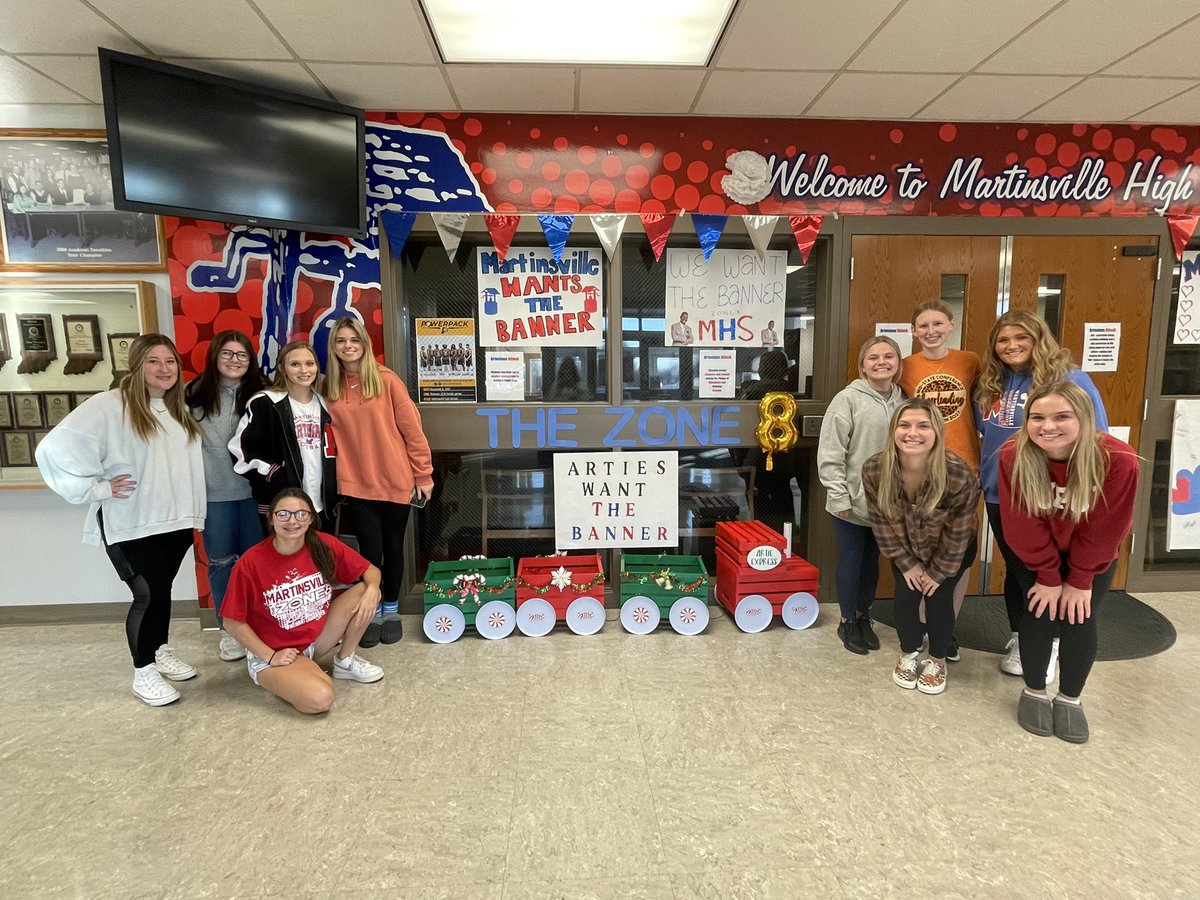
{"x": 134, "y": 455}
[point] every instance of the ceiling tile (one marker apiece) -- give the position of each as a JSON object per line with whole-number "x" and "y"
{"x": 386, "y": 87}
{"x": 638, "y": 91}
{"x": 878, "y": 96}
{"x": 214, "y": 29}
{"x": 58, "y": 26}
{"x": 20, "y": 84}
{"x": 1184, "y": 110}
{"x": 1103, "y": 99}
{"x": 1172, "y": 54}
{"x": 996, "y": 98}
{"x": 79, "y": 73}
{"x": 742, "y": 94}
{"x": 378, "y": 31}
{"x": 514, "y": 88}
{"x": 286, "y": 76}
{"x": 798, "y": 34}
{"x": 1083, "y": 36}
{"x": 966, "y": 33}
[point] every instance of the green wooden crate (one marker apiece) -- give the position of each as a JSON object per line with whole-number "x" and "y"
{"x": 501, "y": 584}
{"x": 664, "y": 579}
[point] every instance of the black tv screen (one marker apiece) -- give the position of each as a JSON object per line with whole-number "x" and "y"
{"x": 187, "y": 143}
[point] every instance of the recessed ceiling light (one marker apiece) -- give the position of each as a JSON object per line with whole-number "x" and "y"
{"x": 619, "y": 32}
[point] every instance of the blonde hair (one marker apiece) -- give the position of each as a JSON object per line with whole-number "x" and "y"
{"x": 280, "y": 382}
{"x": 881, "y": 339}
{"x": 135, "y": 396}
{"x": 891, "y": 490}
{"x": 368, "y": 369}
{"x": 1087, "y": 465}
{"x": 1048, "y": 362}
{"x": 934, "y": 305}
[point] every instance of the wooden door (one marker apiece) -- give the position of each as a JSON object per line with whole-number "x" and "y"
{"x": 893, "y": 273}
{"x": 1098, "y": 283}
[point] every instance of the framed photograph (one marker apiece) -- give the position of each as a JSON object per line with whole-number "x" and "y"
{"x": 61, "y": 216}
{"x": 18, "y": 448}
{"x": 57, "y": 407}
{"x": 27, "y": 411}
{"x": 6, "y": 414}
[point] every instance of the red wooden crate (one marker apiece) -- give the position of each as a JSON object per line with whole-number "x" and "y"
{"x": 535, "y": 573}
{"x": 735, "y": 577}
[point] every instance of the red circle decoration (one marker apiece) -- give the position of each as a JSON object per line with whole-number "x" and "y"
{"x": 535, "y": 133}
{"x": 713, "y": 205}
{"x": 432, "y": 124}
{"x": 627, "y": 201}
{"x": 1068, "y": 154}
{"x": 566, "y": 204}
{"x": 1045, "y": 143}
{"x": 576, "y": 181}
{"x": 697, "y": 171}
{"x": 586, "y": 154}
{"x": 515, "y": 186}
{"x": 611, "y": 165}
{"x": 185, "y": 335}
{"x": 637, "y": 177}
{"x": 687, "y": 197}
{"x": 623, "y": 140}
{"x": 199, "y": 352}
{"x": 1102, "y": 139}
{"x": 896, "y": 136}
{"x": 551, "y": 170}
{"x": 672, "y": 161}
{"x": 191, "y": 243}
{"x": 472, "y": 127}
{"x": 662, "y": 186}
{"x": 200, "y": 306}
{"x": 948, "y": 132}
{"x": 647, "y": 150}
{"x": 525, "y": 159}
{"x": 499, "y": 148}
{"x": 488, "y": 176}
{"x": 601, "y": 193}
{"x": 561, "y": 144}
{"x": 235, "y": 319}
{"x": 1123, "y": 149}
{"x": 541, "y": 197}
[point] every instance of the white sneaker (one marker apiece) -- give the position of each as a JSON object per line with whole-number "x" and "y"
{"x": 1051, "y": 669}
{"x": 905, "y": 673}
{"x": 1011, "y": 664}
{"x": 357, "y": 669}
{"x": 230, "y": 649}
{"x": 149, "y": 687}
{"x": 171, "y": 666}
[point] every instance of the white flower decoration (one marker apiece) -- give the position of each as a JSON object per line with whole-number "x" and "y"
{"x": 561, "y": 578}
{"x": 749, "y": 178}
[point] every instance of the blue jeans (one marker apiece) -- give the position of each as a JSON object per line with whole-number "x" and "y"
{"x": 231, "y": 527}
{"x": 857, "y": 575}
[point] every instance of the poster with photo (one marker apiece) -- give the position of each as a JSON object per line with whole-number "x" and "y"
{"x": 735, "y": 299}
{"x": 446, "y": 360}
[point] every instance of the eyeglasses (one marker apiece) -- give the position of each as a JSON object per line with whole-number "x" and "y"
{"x": 239, "y": 355}
{"x": 300, "y": 515}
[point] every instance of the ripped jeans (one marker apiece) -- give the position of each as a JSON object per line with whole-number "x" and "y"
{"x": 231, "y": 527}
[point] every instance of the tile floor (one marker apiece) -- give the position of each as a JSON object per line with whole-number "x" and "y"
{"x": 725, "y": 766}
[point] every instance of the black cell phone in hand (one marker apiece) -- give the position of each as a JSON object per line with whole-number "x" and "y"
{"x": 417, "y": 500}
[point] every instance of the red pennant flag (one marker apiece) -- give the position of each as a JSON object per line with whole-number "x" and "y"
{"x": 805, "y": 229}
{"x": 1182, "y": 229}
{"x": 658, "y": 228}
{"x": 502, "y": 229}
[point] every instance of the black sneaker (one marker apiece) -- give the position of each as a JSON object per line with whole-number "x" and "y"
{"x": 869, "y": 637}
{"x": 852, "y": 638}
{"x": 952, "y": 653}
{"x": 371, "y": 636}
{"x": 391, "y": 630}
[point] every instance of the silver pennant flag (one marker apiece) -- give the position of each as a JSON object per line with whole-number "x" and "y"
{"x": 608, "y": 229}
{"x": 760, "y": 229}
{"x": 450, "y": 228}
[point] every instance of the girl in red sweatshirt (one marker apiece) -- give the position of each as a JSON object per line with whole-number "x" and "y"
{"x": 1066, "y": 501}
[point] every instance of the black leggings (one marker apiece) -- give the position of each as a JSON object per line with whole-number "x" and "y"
{"x": 1076, "y": 645}
{"x": 939, "y": 611}
{"x": 379, "y": 527}
{"x": 1014, "y": 598}
{"x": 148, "y": 566}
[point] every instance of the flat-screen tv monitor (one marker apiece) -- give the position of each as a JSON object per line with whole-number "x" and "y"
{"x": 186, "y": 143}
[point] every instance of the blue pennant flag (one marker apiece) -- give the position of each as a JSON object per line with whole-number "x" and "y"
{"x": 398, "y": 226}
{"x": 709, "y": 230}
{"x": 556, "y": 228}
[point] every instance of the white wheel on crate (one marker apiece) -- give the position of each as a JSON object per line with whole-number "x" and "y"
{"x": 640, "y": 615}
{"x": 495, "y": 620}
{"x": 689, "y": 615}
{"x": 800, "y": 610}
{"x": 535, "y": 617}
{"x": 585, "y": 615}
{"x": 445, "y": 623}
{"x": 752, "y": 613}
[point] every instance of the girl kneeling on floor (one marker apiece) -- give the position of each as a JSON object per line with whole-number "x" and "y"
{"x": 279, "y": 605}
{"x": 1066, "y": 499}
{"x": 921, "y": 500}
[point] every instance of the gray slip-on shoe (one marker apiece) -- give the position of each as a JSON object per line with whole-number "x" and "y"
{"x": 1035, "y": 716}
{"x": 1070, "y": 723}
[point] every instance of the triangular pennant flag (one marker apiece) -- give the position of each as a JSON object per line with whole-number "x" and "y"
{"x": 450, "y": 228}
{"x": 556, "y": 228}
{"x": 608, "y": 228}
{"x": 708, "y": 229}
{"x": 398, "y": 226}
{"x": 658, "y": 228}
{"x": 760, "y": 229}
{"x": 805, "y": 229}
{"x": 502, "y": 229}
{"x": 1182, "y": 229}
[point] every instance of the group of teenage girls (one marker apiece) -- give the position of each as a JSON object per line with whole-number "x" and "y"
{"x": 905, "y": 451}
{"x": 264, "y": 471}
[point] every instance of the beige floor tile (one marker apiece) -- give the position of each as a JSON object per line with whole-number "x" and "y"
{"x": 586, "y": 822}
{"x": 649, "y": 888}
{"x": 757, "y": 884}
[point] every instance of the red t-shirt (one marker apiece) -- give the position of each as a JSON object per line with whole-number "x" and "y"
{"x": 284, "y": 598}
{"x": 1091, "y": 544}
